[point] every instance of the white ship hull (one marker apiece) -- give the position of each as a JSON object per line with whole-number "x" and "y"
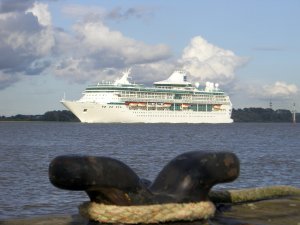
{"x": 92, "y": 112}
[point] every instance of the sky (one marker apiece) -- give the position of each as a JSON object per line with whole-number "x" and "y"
{"x": 55, "y": 48}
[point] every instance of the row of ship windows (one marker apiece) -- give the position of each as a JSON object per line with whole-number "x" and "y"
{"x": 110, "y": 107}
{"x": 174, "y": 115}
{"x": 167, "y": 113}
{"x": 165, "y": 95}
{"x": 169, "y": 95}
{"x": 98, "y": 97}
{"x": 145, "y": 112}
{"x": 184, "y": 97}
{"x": 161, "y": 110}
{"x": 219, "y": 98}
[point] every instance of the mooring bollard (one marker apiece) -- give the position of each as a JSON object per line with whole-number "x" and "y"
{"x": 118, "y": 195}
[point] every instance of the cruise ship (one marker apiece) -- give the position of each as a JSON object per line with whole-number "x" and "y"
{"x": 174, "y": 100}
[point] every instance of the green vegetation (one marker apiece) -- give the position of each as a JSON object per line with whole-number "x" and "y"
{"x": 64, "y": 116}
{"x": 262, "y": 115}
{"x": 238, "y": 115}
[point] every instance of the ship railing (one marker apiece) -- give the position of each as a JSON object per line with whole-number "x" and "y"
{"x": 174, "y": 100}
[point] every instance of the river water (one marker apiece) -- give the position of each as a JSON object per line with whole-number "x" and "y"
{"x": 269, "y": 154}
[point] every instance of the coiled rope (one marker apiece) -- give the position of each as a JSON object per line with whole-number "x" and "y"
{"x": 179, "y": 211}
{"x": 147, "y": 213}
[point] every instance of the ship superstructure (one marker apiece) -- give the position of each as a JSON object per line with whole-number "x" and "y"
{"x": 174, "y": 100}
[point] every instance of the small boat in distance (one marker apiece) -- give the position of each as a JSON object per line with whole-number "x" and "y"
{"x": 174, "y": 100}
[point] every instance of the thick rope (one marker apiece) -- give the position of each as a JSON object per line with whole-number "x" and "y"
{"x": 147, "y": 213}
{"x": 252, "y": 194}
{"x": 180, "y": 211}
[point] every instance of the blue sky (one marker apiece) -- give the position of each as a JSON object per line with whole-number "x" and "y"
{"x": 52, "y": 47}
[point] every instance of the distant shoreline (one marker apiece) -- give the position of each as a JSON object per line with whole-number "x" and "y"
{"x": 261, "y": 115}
{"x": 56, "y": 116}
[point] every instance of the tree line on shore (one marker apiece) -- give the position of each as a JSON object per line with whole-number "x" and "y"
{"x": 61, "y": 116}
{"x": 263, "y": 115}
{"x": 238, "y": 115}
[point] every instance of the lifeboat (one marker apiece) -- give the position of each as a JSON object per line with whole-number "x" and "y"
{"x": 133, "y": 104}
{"x": 185, "y": 106}
{"x": 167, "y": 104}
{"x": 141, "y": 104}
{"x": 217, "y": 107}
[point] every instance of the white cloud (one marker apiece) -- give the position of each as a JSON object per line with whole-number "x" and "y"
{"x": 25, "y": 44}
{"x": 99, "y": 38}
{"x": 207, "y": 62}
{"x": 280, "y": 90}
{"x": 40, "y": 10}
{"x": 95, "y": 48}
{"x": 92, "y": 48}
{"x": 276, "y": 91}
{"x": 29, "y": 45}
